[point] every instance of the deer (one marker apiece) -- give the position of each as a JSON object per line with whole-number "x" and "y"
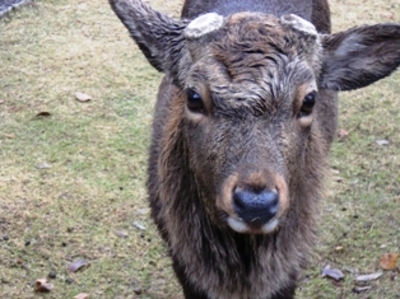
{"x": 244, "y": 119}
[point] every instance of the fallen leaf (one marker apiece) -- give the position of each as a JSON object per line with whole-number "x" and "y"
{"x": 336, "y": 274}
{"x": 361, "y": 289}
{"x": 82, "y": 296}
{"x": 146, "y": 211}
{"x": 388, "y": 15}
{"x": 382, "y": 142}
{"x": 9, "y": 136}
{"x": 19, "y": 261}
{"x": 121, "y": 233}
{"x": 43, "y": 165}
{"x": 42, "y": 114}
{"x": 389, "y": 261}
{"x": 342, "y": 134}
{"x": 369, "y": 277}
{"x": 78, "y": 264}
{"x": 138, "y": 225}
{"x": 82, "y": 97}
{"x": 41, "y": 285}
{"x": 335, "y": 171}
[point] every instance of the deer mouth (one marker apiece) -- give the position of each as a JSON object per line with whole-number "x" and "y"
{"x": 240, "y": 226}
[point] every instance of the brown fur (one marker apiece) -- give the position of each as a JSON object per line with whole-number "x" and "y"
{"x": 253, "y": 75}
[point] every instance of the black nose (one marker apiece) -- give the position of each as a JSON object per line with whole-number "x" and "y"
{"x": 256, "y": 208}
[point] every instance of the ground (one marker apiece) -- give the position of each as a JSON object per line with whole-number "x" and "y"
{"x": 72, "y": 172}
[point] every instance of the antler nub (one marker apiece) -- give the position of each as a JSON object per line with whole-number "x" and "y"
{"x": 299, "y": 24}
{"x": 204, "y": 24}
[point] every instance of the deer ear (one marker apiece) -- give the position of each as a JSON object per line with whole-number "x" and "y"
{"x": 359, "y": 56}
{"x": 159, "y": 37}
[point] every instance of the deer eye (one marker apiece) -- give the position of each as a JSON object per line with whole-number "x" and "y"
{"x": 194, "y": 101}
{"x": 308, "y": 104}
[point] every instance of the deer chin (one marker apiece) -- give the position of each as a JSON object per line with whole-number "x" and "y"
{"x": 240, "y": 226}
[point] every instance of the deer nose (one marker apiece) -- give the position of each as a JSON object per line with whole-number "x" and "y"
{"x": 255, "y": 207}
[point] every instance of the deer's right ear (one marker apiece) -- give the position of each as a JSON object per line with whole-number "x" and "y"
{"x": 360, "y": 56}
{"x": 161, "y": 38}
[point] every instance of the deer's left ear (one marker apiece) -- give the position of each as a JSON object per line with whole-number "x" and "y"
{"x": 359, "y": 56}
{"x": 159, "y": 37}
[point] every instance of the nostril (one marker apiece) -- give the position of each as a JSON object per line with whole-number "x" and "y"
{"x": 256, "y": 208}
{"x": 241, "y": 198}
{"x": 271, "y": 198}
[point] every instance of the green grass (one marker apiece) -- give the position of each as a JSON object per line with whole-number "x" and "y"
{"x": 98, "y": 152}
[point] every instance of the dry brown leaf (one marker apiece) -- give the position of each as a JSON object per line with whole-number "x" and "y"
{"x": 82, "y": 97}
{"x": 43, "y": 114}
{"x": 78, "y": 264}
{"x": 82, "y": 296}
{"x": 19, "y": 261}
{"x": 389, "y": 261}
{"x": 41, "y": 285}
{"x": 342, "y": 134}
{"x": 9, "y": 136}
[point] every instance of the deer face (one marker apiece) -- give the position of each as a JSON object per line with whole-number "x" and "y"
{"x": 250, "y": 94}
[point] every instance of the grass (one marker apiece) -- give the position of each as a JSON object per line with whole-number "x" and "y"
{"x": 85, "y": 204}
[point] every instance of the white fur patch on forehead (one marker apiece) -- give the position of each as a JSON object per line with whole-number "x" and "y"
{"x": 204, "y": 24}
{"x": 299, "y": 24}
